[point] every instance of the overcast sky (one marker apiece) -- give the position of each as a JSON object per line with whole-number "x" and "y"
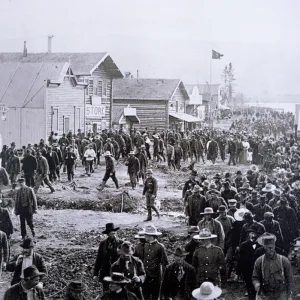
{"x": 169, "y": 38}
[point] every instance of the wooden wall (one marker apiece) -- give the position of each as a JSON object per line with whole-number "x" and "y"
{"x": 152, "y": 113}
{"x": 66, "y": 99}
{"x": 23, "y": 126}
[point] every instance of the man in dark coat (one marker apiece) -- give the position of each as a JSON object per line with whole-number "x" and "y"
{"x": 29, "y": 288}
{"x": 13, "y": 168}
{"x": 246, "y": 260}
{"x": 70, "y": 160}
{"x": 287, "y": 220}
{"x": 28, "y": 258}
{"x": 6, "y": 224}
{"x": 150, "y": 193}
{"x": 260, "y": 209}
{"x": 42, "y": 173}
{"x": 29, "y": 168}
{"x": 191, "y": 246}
{"x": 132, "y": 268}
{"x": 143, "y": 163}
{"x": 53, "y": 163}
{"x": 25, "y": 207}
{"x": 250, "y": 224}
{"x": 110, "y": 171}
{"x": 212, "y": 150}
{"x": 232, "y": 152}
{"x": 179, "y": 278}
{"x": 107, "y": 254}
{"x": 189, "y": 185}
{"x": 3, "y": 251}
{"x": 133, "y": 169}
{"x": 195, "y": 205}
{"x": 273, "y": 227}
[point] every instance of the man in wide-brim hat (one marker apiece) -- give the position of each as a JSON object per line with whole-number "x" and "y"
{"x": 192, "y": 244}
{"x": 254, "y": 168}
{"x": 139, "y": 249}
{"x": 213, "y": 225}
{"x": 155, "y": 262}
{"x": 179, "y": 278}
{"x": 208, "y": 259}
{"x": 117, "y": 290}
{"x": 132, "y": 267}
{"x": 107, "y": 253}
{"x": 27, "y": 257}
{"x": 269, "y": 266}
{"x": 75, "y": 290}
{"x": 30, "y": 286}
{"x": 195, "y": 205}
{"x": 207, "y": 291}
{"x": 269, "y": 188}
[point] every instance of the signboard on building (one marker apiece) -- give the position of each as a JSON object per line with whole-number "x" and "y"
{"x": 93, "y": 111}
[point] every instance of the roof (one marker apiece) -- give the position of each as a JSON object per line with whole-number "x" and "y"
{"x": 22, "y": 84}
{"x": 146, "y": 89}
{"x": 81, "y": 63}
{"x": 203, "y": 88}
{"x": 185, "y": 117}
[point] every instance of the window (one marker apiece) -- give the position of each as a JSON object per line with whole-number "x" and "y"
{"x": 100, "y": 83}
{"x": 105, "y": 88}
{"x": 77, "y": 119}
{"x": 55, "y": 120}
{"x": 176, "y": 106}
{"x": 90, "y": 87}
{"x": 67, "y": 125}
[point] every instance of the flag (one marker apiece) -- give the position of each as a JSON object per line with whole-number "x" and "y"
{"x": 216, "y": 55}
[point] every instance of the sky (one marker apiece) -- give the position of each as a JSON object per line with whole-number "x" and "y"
{"x": 169, "y": 39}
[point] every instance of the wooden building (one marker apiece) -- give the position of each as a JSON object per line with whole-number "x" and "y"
{"x": 97, "y": 70}
{"x": 154, "y": 103}
{"x": 40, "y": 97}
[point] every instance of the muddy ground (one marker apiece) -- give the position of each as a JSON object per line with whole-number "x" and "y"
{"x": 70, "y": 221}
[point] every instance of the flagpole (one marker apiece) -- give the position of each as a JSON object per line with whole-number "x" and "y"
{"x": 210, "y": 75}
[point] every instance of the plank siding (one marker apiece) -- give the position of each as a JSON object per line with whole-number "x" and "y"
{"x": 23, "y": 126}
{"x": 101, "y": 74}
{"x": 152, "y": 114}
{"x": 66, "y": 98}
{"x": 177, "y": 97}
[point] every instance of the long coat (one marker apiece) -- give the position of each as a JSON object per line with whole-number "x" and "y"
{"x": 171, "y": 286}
{"x": 13, "y": 165}
{"x": 105, "y": 258}
{"x": 133, "y": 165}
{"x": 25, "y": 194}
{"x": 29, "y": 164}
{"x": 212, "y": 150}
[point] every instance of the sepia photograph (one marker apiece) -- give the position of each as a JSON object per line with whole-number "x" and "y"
{"x": 149, "y": 150}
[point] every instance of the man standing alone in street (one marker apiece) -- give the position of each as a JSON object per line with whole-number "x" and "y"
{"x": 25, "y": 207}
{"x": 150, "y": 192}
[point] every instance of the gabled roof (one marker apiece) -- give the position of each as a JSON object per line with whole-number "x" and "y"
{"x": 22, "y": 84}
{"x": 203, "y": 88}
{"x": 146, "y": 89}
{"x": 81, "y": 63}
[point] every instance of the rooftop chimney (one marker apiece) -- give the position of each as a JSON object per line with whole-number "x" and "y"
{"x": 25, "y": 50}
{"x": 50, "y": 43}
{"x": 128, "y": 75}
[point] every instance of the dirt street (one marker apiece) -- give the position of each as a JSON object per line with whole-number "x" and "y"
{"x": 70, "y": 221}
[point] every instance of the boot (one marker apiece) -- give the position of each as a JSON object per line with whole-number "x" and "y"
{"x": 149, "y": 218}
{"x": 156, "y": 210}
{"x": 101, "y": 188}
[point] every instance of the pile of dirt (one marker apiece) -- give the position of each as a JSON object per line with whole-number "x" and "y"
{"x": 122, "y": 202}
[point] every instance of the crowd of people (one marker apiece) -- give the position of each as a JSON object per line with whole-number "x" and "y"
{"x": 241, "y": 227}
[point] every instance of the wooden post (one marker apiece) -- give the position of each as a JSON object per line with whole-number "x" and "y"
{"x": 111, "y": 104}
